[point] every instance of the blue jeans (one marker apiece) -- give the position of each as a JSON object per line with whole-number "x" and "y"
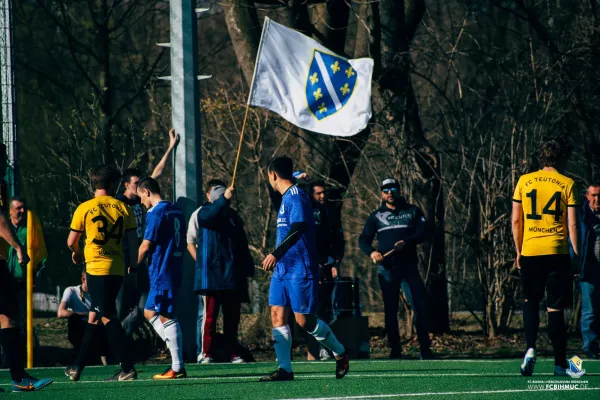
{"x": 199, "y": 322}
{"x": 590, "y": 306}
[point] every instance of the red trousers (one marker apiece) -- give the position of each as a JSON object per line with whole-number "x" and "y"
{"x": 230, "y": 304}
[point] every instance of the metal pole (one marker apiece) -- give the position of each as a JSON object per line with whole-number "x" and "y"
{"x": 185, "y": 105}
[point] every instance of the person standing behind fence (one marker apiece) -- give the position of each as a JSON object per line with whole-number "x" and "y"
{"x": 589, "y": 217}
{"x": 222, "y": 267}
{"x": 28, "y": 229}
{"x": 399, "y": 227}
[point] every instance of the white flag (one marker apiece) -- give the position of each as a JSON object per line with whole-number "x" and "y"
{"x": 310, "y": 86}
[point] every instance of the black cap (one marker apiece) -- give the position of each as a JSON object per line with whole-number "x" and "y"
{"x": 390, "y": 182}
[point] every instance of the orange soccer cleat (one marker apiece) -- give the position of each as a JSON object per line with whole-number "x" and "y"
{"x": 170, "y": 374}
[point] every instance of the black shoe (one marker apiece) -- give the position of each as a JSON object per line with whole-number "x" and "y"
{"x": 342, "y": 365}
{"x": 279, "y": 375}
{"x": 594, "y": 354}
{"x": 122, "y": 376}
{"x": 396, "y": 353}
{"x": 73, "y": 373}
{"x": 427, "y": 355}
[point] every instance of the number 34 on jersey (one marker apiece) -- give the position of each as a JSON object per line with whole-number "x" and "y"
{"x": 545, "y": 196}
{"x": 104, "y": 220}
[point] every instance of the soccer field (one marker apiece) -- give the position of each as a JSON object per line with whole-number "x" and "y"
{"x": 459, "y": 379}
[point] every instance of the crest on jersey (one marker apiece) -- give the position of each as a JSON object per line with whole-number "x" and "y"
{"x": 329, "y": 84}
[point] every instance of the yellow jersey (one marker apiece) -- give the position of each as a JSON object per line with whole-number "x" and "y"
{"x": 104, "y": 220}
{"x": 545, "y": 196}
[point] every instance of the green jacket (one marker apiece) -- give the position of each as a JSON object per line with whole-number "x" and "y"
{"x": 18, "y": 271}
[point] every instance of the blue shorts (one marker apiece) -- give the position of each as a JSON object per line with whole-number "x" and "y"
{"x": 161, "y": 301}
{"x": 300, "y": 294}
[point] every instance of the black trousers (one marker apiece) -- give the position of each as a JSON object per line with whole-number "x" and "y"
{"x": 76, "y": 328}
{"x": 407, "y": 279}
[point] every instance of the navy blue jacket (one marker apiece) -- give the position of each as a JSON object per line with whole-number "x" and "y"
{"x": 406, "y": 222}
{"x": 223, "y": 260}
{"x": 585, "y": 233}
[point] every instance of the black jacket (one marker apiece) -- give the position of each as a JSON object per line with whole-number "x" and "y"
{"x": 330, "y": 236}
{"x": 223, "y": 260}
{"x": 406, "y": 223}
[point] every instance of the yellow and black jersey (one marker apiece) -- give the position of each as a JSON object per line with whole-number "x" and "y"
{"x": 545, "y": 196}
{"x": 104, "y": 220}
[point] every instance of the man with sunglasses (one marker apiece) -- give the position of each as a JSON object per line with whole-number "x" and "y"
{"x": 399, "y": 228}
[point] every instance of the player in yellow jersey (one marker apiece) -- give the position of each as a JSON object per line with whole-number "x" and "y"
{"x": 105, "y": 222}
{"x": 544, "y": 214}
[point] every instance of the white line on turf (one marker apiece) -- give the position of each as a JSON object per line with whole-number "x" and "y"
{"x": 381, "y": 396}
{"x": 302, "y": 376}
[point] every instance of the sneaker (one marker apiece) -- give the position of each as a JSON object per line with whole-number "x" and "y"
{"x": 122, "y": 376}
{"x": 29, "y": 384}
{"x": 528, "y": 363}
{"x": 279, "y": 375}
{"x": 426, "y": 355}
{"x": 73, "y": 373}
{"x": 170, "y": 374}
{"x": 205, "y": 360}
{"x": 237, "y": 360}
{"x": 396, "y": 353}
{"x": 342, "y": 365}
{"x": 560, "y": 371}
{"x": 324, "y": 355}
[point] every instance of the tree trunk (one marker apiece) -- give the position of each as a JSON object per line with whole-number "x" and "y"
{"x": 244, "y": 30}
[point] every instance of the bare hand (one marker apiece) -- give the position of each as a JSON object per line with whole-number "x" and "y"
{"x": 399, "y": 245}
{"x": 518, "y": 260}
{"x": 303, "y": 176}
{"x": 173, "y": 138}
{"x": 77, "y": 258}
{"x": 269, "y": 262}
{"x": 334, "y": 272}
{"x": 376, "y": 257}
{"x": 22, "y": 256}
{"x": 229, "y": 192}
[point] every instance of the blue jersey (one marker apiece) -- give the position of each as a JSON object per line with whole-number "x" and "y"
{"x": 166, "y": 229}
{"x": 301, "y": 259}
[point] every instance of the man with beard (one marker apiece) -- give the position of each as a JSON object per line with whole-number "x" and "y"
{"x": 399, "y": 228}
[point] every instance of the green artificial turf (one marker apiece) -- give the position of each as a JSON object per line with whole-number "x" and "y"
{"x": 458, "y": 379}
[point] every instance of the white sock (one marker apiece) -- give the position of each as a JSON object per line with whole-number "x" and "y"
{"x": 282, "y": 339}
{"x": 158, "y": 326}
{"x": 173, "y": 339}
{"x": 324, "y": 335}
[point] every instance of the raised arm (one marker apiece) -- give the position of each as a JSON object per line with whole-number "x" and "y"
{"x": 160, "y": 167}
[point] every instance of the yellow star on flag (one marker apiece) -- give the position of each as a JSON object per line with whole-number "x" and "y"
{"x": 335, "y": 67}
{"x": 322, "y": 108}
{"x": 349, "y": 72}
{"x": 345, "y": 89}
{"x": 313, "y": 78}
{"x": 317, "y": 93}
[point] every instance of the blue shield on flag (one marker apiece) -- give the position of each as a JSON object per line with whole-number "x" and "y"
{"x": 329, "y": 84}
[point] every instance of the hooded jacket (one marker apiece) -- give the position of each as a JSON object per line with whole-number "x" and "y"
{"x": 223, "y": 260}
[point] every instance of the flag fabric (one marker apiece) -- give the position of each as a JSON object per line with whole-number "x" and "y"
{"x": 309, "y": 85}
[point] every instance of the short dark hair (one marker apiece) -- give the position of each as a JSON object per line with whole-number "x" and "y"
{"x": 553, "y": 152}
{"x": 149, "y": 184}
{"x": 20, "y": 199}
{"x": 283, "y": 166}
{"x": 105, "y": 177}
{"x": 130, "y": 173}
{"x": 314, "y": 184}
{"x": 214, "y": 182}
{"x": 592, "y": 184}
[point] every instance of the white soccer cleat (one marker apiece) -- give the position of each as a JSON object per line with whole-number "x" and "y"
{"x": 528, "y": 363}
{"x": 202, "y": 359}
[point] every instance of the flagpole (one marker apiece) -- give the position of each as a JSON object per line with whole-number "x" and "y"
{"x": 239, "y": 151}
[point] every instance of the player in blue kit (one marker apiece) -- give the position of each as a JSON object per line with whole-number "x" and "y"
{"x": 164, "y": 243}
{"x": 295, "y": 280}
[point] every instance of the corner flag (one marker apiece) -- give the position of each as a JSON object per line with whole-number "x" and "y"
{"x": 309, "y": 85}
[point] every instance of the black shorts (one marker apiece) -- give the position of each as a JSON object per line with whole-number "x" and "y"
{"x": 9, "y": 302}
{"x": 550, "y": 274}
{"x": 103, "y": 290}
